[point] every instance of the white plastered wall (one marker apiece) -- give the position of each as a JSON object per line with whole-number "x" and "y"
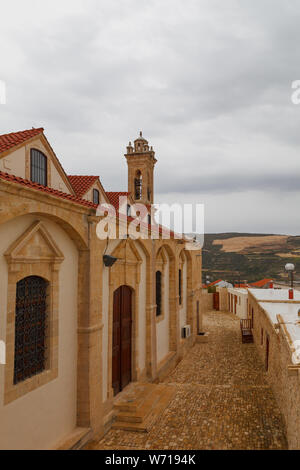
{"x": 41, "y": 418}
{"x": 14, "y": 163}
{"x": 105, "y": 307}
{"x": 162, "y": 327}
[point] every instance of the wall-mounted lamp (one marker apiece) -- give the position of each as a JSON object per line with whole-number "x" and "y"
{"x": 109, "y": 261}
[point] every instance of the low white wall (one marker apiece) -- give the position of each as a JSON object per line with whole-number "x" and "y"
{"x": 242, "y": 302}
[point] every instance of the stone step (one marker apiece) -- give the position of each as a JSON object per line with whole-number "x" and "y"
{"x": 143, "y": 409}
{"x": 133, "y": 396}
{"x": 148, "y": 413}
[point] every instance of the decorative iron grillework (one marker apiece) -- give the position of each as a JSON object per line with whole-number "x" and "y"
{"x": 30, "y": 328}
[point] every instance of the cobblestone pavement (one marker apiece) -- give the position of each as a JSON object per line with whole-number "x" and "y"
{"x": 222, "y": 399}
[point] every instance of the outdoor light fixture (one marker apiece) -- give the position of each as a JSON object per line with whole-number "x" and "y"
{"x": 109, "y": 261}
{"x": 290, "y": 269}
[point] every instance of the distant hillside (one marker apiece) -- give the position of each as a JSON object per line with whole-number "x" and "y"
{"x": 247, "y": 256}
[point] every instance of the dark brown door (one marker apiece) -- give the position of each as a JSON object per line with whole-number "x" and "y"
{"x": 216, "y": 300}
{"x": 121, "y": 349}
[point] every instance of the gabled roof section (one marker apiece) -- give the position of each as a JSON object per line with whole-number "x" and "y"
{"x": 45, "y": 189}
{"x": 82, "y": 183}
{"x": 11, "y": 142}
{"x": 113, "y": 197}
{"x": 8, "y": 141}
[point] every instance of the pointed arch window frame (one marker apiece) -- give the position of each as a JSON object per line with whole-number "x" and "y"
{"x": 22, "y": 263}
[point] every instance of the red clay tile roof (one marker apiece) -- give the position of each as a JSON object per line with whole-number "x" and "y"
{"x": 261, "y": 283}
{"x": 8, "y": 141}
{"x": 82, "y": 183}
{"x": 211, "y": 284}
{"x": 46, "y": 189}
{"x": 113, "y": 197}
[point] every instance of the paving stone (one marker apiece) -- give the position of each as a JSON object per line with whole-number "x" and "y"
{"x": 222, "y": 399}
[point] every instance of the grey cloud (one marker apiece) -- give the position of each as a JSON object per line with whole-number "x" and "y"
{"x": 208, "y": 81}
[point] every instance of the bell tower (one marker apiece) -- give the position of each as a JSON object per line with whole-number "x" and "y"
{"x": 141, "y": 161}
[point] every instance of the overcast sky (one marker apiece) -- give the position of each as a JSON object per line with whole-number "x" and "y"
{"x": 208, "y": 82}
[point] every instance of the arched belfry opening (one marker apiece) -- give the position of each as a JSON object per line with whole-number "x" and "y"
{"x": 141, "y": 161}
{"x": 138, "y": 185}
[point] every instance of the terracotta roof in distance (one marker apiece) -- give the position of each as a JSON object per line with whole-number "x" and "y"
{"x": 82, "y": 183}
{"x": 8, "y": 141}
{"x": 261, "y": 283}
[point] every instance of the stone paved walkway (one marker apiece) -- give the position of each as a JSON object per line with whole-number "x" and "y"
{"x": 222, "y": 400}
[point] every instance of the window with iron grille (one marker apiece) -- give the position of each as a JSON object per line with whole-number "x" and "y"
{"x": 158, "y": 293}
{"x": 38, "y": 167}
{"x": 96, "y": 196}
{"x": 30, "y": 328}
{"x": 180, "y": 286}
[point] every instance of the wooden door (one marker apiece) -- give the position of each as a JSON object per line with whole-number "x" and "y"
{"x": 121, "y": 348}
{"x": 267, "y": 352}
{"x": 216, "y": 301}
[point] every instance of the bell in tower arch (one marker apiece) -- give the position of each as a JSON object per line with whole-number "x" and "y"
{"x": 138, "y": 185}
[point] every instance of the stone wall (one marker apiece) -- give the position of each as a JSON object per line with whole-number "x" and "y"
{"x": 206, "y": 301}
{"x": 223, "y": 298}
{"x": 282, "y": 376}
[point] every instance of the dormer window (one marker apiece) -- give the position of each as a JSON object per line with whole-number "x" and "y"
{"x": 38, "y": 167}
{"x": 96, "y": 196}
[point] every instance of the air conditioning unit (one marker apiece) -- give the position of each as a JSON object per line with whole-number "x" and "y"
{"x": 186, "y": 331}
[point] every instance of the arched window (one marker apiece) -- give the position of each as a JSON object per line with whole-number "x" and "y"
{"x": 128, "y": 210}
{"x": 180, "y": 286}
{"x": 138, "y": 185}
{"x": 30, "y": 328}
{"x": 96, "y": 196}
{"x": 158, "y": 293}
{"x": 38, "y": 167}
